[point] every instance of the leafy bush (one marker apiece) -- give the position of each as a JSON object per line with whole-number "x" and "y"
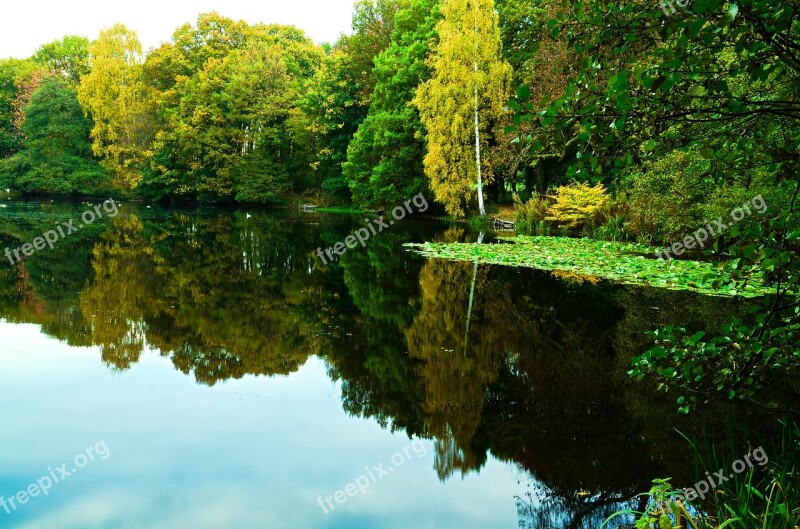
{"x": 757, "y": 360}
{"x": 668, "y": 197}
{"x": 725, "y": 199}
{"x": 579, "y": 205}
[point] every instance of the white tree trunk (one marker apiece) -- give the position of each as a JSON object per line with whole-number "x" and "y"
{"x": 478, "y": 152}
{"x": 481, "y": 207}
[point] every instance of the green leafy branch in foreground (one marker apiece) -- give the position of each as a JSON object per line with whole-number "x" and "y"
{"x": 755, "y": 361}
{"x": 624, "y": 263}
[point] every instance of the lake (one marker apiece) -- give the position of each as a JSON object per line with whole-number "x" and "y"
{"x": 202, "y": 368}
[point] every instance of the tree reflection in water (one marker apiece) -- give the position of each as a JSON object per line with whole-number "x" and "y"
{"x": 523, "y": 365}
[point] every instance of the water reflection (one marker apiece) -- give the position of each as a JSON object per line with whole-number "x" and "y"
{"x": 524, "y": 366}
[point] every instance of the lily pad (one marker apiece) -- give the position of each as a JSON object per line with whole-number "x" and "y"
{"x": 625, "y": 263}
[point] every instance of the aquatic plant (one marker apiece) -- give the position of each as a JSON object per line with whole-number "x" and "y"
{"x": 626, "y": 263}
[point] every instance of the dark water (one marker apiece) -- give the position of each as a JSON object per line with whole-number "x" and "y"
{"x": 223, "y": 377}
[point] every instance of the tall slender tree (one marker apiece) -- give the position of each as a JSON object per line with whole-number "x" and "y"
{"x": 114, "y": 94}
{"x": 463, "y": 103}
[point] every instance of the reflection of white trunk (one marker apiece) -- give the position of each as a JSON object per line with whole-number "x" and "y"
{"x": 481, "y": 207}
{"x": 472, "y": 296}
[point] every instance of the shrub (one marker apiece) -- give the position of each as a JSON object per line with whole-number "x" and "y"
{"x": 579, "y": 205}
{"x": 777, "y": 197}
{"x": 674, "y": 196}
{"x": 667, "y": 197}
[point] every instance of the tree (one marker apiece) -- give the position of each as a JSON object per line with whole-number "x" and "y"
{"x": 631, "y": 100}
{"x": 373, "y": 26}
{"x": 228, "y": 123}
{"x": 116, "y": 98}
{"x": 57, "y": 157}
{"x": 384, "y": 160}
{"x": 339, "y": 98}
{"x": 462, "y": 105}
{"x": 168, "y": 71}
{"x": 542, "y": 63}
{"x": 68, "y": 57}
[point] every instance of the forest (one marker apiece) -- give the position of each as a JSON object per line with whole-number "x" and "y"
{"x": 644, "y": 129}
{"x": 606, "y": 132}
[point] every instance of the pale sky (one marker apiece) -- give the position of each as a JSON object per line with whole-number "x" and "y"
{"x": 27, "y": 24}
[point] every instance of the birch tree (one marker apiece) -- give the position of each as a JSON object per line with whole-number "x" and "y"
{"x": 463, "y": 103}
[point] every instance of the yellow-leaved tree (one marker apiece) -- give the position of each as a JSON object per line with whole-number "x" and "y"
{"x": 115, "y": 95}
{"x": 463, "y": 103}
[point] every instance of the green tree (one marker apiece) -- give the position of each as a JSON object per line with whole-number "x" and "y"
{"x": 339, "y": 98}
{"x": 168, "y": 70}
{"x": 462, "y": 105}
{"x": 721, "y": 79}
{"x": 544, "y": 64}
{"x": 67, "y": 57}
{"x": 384, "y": 164}
{"x": 57, "y": 157}
{"x": 11, "y": 73}
{"x": 229, "y": 127}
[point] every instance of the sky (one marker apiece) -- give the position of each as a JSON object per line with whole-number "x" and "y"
{"x": 27, "y": 24}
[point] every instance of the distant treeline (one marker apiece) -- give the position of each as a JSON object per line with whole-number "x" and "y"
{"x": 687, "y": 111}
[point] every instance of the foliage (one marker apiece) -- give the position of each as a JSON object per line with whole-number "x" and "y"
{"x": 667, "y": 197}
{"x": 578, "y": 205}
{"x": 530, "y": 214}
{"x": 116, "y": 97}
{"x": 339, "y": 96}
{"x": 67, "y": 57}
{"x": 468, "y": 55}
{"x": 373, "y": 27}
{"x": 619, "y": 262}
{"x": 334, "y": 110}
{"x": 384, "y": 159}
{"x": 631, "y": 97}
{"x": 758, "y": 360}
{"x": 676, "y": 195}
{"x": 57, "y": 157}
{"x": 11, "y": 73}
{"x": 543, "y": 65}
{"x": 721, "y": 79}
{"x": 29, "y": 79}
{"x": 228, "y": 125}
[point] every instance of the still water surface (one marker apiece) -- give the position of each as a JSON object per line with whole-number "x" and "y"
{"x": 237, "y": 382}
